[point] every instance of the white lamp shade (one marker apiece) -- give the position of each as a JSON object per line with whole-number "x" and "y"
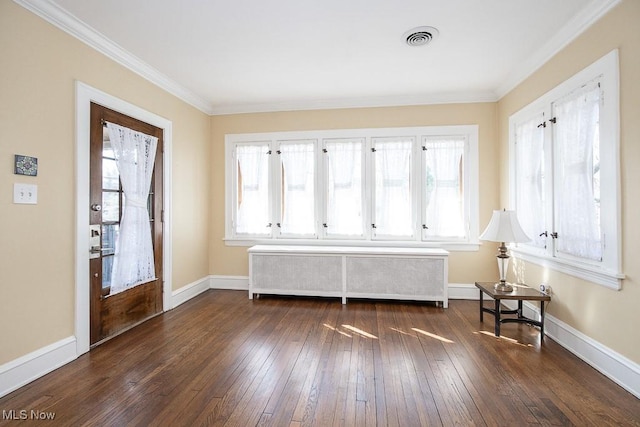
{"x": 504, "y": 227}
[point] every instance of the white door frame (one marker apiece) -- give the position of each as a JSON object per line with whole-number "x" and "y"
{"x": 84, "y": 96}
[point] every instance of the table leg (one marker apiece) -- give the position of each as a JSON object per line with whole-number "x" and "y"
{"x": 519, "y": 309}
{"x": 481, "y": 305}
{"x": 497, "y": 316}
{"x": 541, "y": 319}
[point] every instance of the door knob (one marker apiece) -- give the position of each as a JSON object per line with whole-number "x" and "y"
{"x": 96, "y": 207}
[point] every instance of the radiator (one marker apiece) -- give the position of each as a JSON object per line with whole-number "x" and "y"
{"x": 349, "y": 272}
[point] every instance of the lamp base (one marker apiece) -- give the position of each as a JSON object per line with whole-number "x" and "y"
{"x": 503, "y": 287}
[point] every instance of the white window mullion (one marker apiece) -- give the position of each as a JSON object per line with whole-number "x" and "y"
{"x": 369, "y": 199}
{"x": 276, "y": 193}
{"x": 416, "y": 189}
{"x": 549, "y": 185}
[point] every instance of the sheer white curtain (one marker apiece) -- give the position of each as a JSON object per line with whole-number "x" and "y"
{"x": 298, "y": 204}
{"x": 576, "y": 148}
{"x": 393, "y": 214}
{"x": 135, "y": 154}
{"x": 253, "y": 192}
{"x": 344, "y": 189}
{"x": 444, "y": 215}
{"x": 529, "y": 171}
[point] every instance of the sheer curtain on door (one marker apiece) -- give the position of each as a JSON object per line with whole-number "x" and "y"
{"x": 135, "y": 154}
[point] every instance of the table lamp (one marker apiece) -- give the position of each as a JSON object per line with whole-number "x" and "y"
{"x": 504, "y": 228}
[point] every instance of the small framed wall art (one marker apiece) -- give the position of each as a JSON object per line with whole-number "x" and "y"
{"x": 26, "y": 165}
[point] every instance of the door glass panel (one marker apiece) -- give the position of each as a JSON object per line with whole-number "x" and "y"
{"x": 110, "y": 206}
{"x": 109, "y": 238}
{"x": 107, "y": 265}
{"x": 107, "y": 148}
{"x": 110, "y": 176}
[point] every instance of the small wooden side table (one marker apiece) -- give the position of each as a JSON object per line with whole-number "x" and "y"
{"x": 520, "y": 293}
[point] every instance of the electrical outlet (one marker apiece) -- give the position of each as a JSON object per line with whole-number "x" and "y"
{"x": 26, "y": 194}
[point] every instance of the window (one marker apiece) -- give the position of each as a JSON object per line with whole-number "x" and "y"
{"x": 393, "y": 213}
{"x": 356, "y": 186}
{"x": 444, "y": 204}
{"x": 565, "y": 175}
{"x": 344, "y": 182}
{"x": 297, "y": 189}
{"x": 252, "y": 211}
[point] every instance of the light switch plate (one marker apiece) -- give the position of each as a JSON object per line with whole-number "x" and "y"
{"x": 26, "y": 194}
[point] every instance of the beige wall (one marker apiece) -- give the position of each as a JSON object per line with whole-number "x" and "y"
{"x": 464, "y": 267}
{"x": 40, "y": 65}
{"x": 610, "y": 317}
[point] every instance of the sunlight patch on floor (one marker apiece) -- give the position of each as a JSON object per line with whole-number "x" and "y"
{"x": 360, "y": 332}
{"x": 430, "y": 335}
{"x": 337, "y": 330}
{"x": 403, "y": 332}
{"x": 503, "y": 338}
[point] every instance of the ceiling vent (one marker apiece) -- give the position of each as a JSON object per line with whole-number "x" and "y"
{"x": 420, "y": 36}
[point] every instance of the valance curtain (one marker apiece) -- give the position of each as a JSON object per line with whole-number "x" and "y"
{"x": 135, "y": 154}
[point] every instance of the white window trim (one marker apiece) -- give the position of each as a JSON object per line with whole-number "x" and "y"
{"x": 469, "y": 131}
{"x": 608, "y": 272}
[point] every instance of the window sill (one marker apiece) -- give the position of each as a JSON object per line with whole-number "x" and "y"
{"x": 590, "y": 273}
{"x": 449, "y": 246}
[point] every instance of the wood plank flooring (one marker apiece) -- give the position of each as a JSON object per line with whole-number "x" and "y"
{"x": 222, "y": 359}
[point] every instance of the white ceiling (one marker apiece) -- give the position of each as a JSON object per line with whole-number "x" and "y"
{"x": 229, "y": 56}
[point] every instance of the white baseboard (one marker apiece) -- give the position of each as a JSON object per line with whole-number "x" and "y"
{"x": 238, "y": 283}
{"x": 611, "y": 364}
{"x": 463, "y": 291}
{"x": 36, "y": 364}
{"x": 189, "y": 291}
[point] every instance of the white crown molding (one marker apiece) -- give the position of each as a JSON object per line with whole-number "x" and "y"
{"x": 363, "y": 102}
{"x": 68, "y": 23}
{"x": 571, "y": 30}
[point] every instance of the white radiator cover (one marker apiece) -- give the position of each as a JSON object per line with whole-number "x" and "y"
{"x": 338, "y": 271}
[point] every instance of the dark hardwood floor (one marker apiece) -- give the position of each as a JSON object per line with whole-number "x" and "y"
{"x": 222, "y": 359}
